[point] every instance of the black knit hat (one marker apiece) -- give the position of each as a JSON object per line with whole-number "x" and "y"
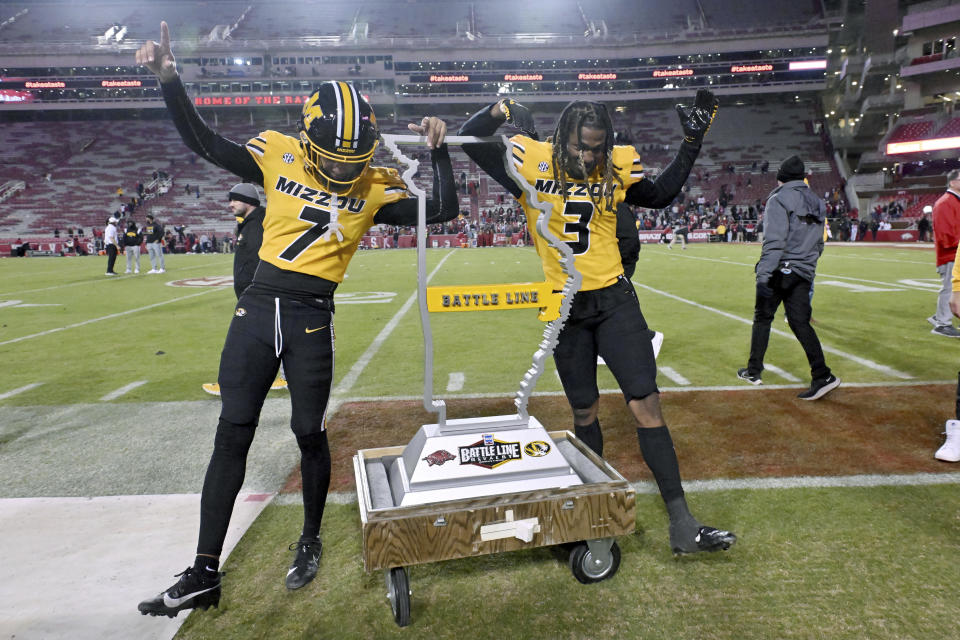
{"x": 791, "y": 169}
{"x": 245, "y": 192}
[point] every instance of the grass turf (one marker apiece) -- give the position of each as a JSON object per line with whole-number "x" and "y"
{"x": 811, "y": 563}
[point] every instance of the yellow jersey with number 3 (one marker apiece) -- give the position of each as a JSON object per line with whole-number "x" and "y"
{"x": 590, "y": 233}
{"x": 307, "y": 229}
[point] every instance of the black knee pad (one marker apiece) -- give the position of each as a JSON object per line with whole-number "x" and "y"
{"x": 314, "y": 443}
{"x": 234, "y": 438}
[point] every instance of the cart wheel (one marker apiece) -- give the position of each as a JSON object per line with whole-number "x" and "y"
{"x": 594, "y": 565}
{"x": 398, "y": 593}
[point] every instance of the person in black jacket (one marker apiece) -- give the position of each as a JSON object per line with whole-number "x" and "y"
{"x": 322, "y": 196}
{"x": 244, "y": 201}
{"x": 132, "y": 239}
{"x": 153, "y": 231}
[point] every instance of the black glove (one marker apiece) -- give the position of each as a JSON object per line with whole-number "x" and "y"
{"x": 764, "y": 290}
{"x": 520, "y": 117}
{"x": 697, "y": 119}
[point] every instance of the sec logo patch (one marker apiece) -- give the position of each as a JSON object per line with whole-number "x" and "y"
{"x": 240, "y": 312}
{"x": 543, "y": 166}
{"x": 288, "y": 158}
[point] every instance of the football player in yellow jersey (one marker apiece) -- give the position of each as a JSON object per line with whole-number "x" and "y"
{"x": 585, "y": 176}
{"x": 322, "y": 195}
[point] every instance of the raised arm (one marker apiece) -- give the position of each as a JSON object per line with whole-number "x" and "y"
{"x": 489, "y": 155}
{"x": 696, "y": 121}
{"x": 444, "y": 204}
{"x": 200, "y": 138}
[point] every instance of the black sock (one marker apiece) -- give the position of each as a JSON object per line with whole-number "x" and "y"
{"x": 656, "y": 445}
{"x": 591, "y": 436}
{"x": 206, "y": 564}
{"x": 315, "y": 472}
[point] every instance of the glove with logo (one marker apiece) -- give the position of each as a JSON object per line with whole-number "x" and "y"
{"x": 520, "y": 117}
{"x": 696, "y": 120}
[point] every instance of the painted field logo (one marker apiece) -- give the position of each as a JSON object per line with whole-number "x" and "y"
{"x": 537, "y": 448}
{"x": 490, "y": 455}
{"x": 203, "y": 281}
{"x": 438, "y": 457}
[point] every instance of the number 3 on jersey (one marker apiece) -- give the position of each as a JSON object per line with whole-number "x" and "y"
{"x": 320, "y": 220}
{"x": 582, "y": 212}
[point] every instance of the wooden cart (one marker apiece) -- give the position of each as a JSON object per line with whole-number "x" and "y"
{"x": 590, "y": 515}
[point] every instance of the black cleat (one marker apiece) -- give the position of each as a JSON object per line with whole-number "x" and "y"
{"x": 820, "y": 388}
{"x": 194, "y": 590}
{"x": 305, "y": 563}
{"x": 707, "y": 539}
{"x": 752, "y": 378}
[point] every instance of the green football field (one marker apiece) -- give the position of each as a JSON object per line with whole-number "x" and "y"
{"x": 86, "y": 336}
{"x": 848, "y": 528}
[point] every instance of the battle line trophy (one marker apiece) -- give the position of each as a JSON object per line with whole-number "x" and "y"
{"x": 475, "y": 486}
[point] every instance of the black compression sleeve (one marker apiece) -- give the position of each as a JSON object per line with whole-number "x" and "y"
{"x": 656, "y": 194}
{"x": 488, "y": 155}
{"x": 203, "y": 140}
{"x": 443, "y": 206}
{"x": 627, "y": 239}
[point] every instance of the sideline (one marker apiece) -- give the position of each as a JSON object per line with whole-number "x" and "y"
{"x": 649, "y": 487}
{"x": 743, "y": 386}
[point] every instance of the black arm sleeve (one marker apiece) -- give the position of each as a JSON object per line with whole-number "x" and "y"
{"x": 627, "y": 239}
{"x": 656, "y": 194}
{"x": 489, "y": 155}
{"x": 203, "y": 140}
{"x": 443, "y": 206}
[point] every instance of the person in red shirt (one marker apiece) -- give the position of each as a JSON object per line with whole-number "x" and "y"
{"x": 946, "y": 237}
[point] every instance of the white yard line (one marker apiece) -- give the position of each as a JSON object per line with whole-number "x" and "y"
{"x": 455, "y": 381}
{"x": 898, "y": 284}
{"x": 870, "y": 364}
{"x": 671, "y": 373}
{"x": 789, "y": 377}
{"x": 19, "y": 390}
{"x": 743, "y": 386}
{"x": 722, "y": 484}
{"x": 107, "y": 317}
{"x": 347, "y": 382}
{"x": 113, "y": 395}
{"x": 101, "y": 278}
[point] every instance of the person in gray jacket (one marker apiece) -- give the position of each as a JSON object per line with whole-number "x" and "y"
{"x": 792, "y": 244}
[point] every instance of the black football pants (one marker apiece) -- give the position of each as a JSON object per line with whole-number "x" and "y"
{"x": 264, "y": 331}
{"x": 606, "y": 322}
{"x": 794, "y": 292}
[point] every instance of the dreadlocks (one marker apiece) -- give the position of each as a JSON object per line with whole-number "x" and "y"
{"x": 574, "y": 116}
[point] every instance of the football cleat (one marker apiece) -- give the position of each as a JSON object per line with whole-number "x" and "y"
{"x": 194, "y": 590}
{"x": 213, "y": 388}
{"x": 707, "y": 539}
{"x": 305, "y": 562}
